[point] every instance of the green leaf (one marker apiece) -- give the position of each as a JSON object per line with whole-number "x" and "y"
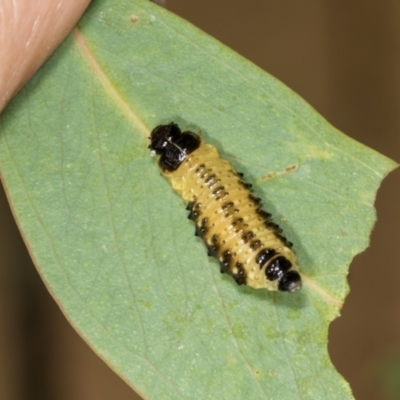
{"x": 112, "y": 240}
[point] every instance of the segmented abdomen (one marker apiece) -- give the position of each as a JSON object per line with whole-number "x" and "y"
{"x": 228, "y": 217}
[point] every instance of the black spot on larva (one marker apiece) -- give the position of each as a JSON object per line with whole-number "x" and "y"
{"x": 263, "y": 214}
{"x": 239, "y": 173}
{"x": 254, "y": 199}
{"x": 264, "y": 256}
{"x": 246, "y": 185}
{"x": 194, "y": 211}
{"x": 290, "y": 282}
{"x": 272, "y": 225}
{"x": 210, "y": 180}
{"x": 214, "y": 239}
{"x": 283, "y": 239}
{"x": 212, "y": 250}
{"x": 200, "y": 169}
{"x": 240, "y": 275}
{"x": 277, "y": 268}
{"x": 248, "y": 236}
{"x": 215, "y": 184}
{"x": 226, "y": 255}
{"x": 190, "y": 205}
{"x": 226, "y": 206}
{"x": 218, "y": 190}
{"x": 225, "y": 261}
{"x": 194, "y": 214}
{"x": 255, "y": 244}
{"x": 202, "y": 229}
{"x": 238, "y": 224}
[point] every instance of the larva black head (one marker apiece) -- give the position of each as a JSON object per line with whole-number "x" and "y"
{"x": 162, "y": 135}
{"x": 172, "y": 145}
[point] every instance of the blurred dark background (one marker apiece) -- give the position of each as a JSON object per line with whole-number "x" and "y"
{"x": 344, "y": 59}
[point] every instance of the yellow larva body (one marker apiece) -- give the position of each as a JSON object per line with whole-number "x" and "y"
{"x": 227, "y": 215}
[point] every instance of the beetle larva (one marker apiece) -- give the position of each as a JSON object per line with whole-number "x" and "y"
{"x": 228, "y": 217}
